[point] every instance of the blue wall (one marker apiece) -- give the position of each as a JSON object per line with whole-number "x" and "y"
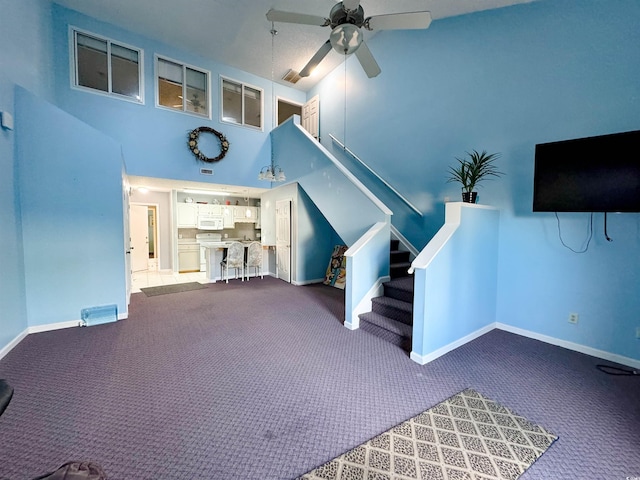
{"x": 72, "y": 213}
{"x": 504, "y": 80}
{"x": 25, "y": 58}
{"x": 153, "y": 139}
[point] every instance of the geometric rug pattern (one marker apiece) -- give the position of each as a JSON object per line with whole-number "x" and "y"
{"x": 466, "y": 437}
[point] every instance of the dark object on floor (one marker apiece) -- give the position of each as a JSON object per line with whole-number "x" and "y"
{"x": 6, "y": 392}
{"x": 177, "y": 288}
{"x": 76, "y": 470}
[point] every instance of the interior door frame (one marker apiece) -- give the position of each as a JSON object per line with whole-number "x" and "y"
{"x": 156, "y": 228}
{"x": 291, "y": 233}
{"x": 284, "y": 100}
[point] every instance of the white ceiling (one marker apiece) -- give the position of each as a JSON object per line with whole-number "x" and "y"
{"x": 236, "y": 32}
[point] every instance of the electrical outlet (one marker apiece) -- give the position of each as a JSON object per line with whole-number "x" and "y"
{"x": 573, "y": 318}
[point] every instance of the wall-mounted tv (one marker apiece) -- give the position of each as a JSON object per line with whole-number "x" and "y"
{"x": 593, "y": 174}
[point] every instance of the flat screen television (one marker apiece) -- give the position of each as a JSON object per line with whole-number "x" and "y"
{"x": 593, "y": 174}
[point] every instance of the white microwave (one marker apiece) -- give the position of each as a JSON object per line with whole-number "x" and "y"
{"x": 209, "y": 222}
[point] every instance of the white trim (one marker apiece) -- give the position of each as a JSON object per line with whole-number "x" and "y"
{"x": 276, "y": 112}
{"x": 53, "y": 326}
{"x": 9, "y": 346}
{"x": 365, "y": 304}
{"x": 576, "y": 347}
{"x": 403, "y": 241}
{"x": 308, "y": 282}
{"x": 242, "y": 86}
{"x": 452, "y": 215}
{"x": 424, "y": 359}
{"x": 350, "y": 176}
{"x": 386, "y": 184}
{"x": 184, "y": 86}
{"x": 365, "y": 239}
{"x": 73, "y": 66}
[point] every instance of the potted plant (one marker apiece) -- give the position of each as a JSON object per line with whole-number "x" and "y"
{"x": 472, "y": 170}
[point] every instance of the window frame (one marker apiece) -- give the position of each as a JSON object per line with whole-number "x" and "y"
{"x": 243, "y": 85}
{"x": 184, "y": 66}
{"x": 73, "y": 66}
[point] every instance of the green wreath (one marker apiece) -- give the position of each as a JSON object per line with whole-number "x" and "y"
{"x": 193, "y": 144}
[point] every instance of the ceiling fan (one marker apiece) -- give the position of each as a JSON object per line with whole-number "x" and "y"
{"x": 346, "y": 20}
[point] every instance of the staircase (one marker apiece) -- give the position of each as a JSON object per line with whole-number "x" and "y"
{"x": 391, "y": 315}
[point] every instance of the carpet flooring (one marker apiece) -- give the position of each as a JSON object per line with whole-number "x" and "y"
{"x": 177, "y": 288}
{"x": 261, "y": 380}
{"x": 464, "y": 437}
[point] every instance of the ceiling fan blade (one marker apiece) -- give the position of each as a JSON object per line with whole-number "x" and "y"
{"x": 316, "y": 59}
{"x": 292, "y": 17}
{"x": 350, "y": 5}
{"x": 399, "y": 21}
{"x": 369, "y": 64}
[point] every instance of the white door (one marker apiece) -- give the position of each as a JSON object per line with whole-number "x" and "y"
{"x": 311, "y": 117}
{"x": 283, "y": 240}
{"x": 139, "y": 232}
{"x": 127, "y": 237}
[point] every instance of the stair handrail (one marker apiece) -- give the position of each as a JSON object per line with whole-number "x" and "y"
{"x": 387, "y": 184}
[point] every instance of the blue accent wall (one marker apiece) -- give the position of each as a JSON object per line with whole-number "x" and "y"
{"x": 154, "y": 140}
{"x": 25, "y": 59}
{"x": 72, "y": 213}
{"x": 504, "y": 80}
{"x": 500, "y": 80}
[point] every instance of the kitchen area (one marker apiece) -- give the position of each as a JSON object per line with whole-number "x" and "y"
{"x": 206, "y": 223}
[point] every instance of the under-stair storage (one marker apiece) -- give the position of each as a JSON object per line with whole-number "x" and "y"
{"x": 391, "y": 315}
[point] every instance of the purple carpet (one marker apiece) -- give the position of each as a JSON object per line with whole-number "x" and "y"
{"x": 260, "y": 380}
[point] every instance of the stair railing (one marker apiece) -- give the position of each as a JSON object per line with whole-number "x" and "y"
{"x": 382, "y": 180}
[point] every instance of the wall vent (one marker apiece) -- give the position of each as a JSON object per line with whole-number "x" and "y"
{"x": 206, "y": 171}
{"x": 291, "y": 76}
{"x": 98, "y": 315}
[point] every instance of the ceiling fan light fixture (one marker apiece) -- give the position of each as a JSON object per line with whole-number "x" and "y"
{"x": 346, "y": 38}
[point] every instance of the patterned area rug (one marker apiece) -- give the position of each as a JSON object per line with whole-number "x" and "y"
{"x": 468, "y": 436}
{"x": 177, "y": 288}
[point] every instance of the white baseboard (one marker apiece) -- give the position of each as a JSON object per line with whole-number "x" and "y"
{"x": 54, "y": 326}
{"x": 9, "y": 346}
{"x": 308, "y": 282}
{"x": 424, "y": 359}
{"x": 576, "y": 347}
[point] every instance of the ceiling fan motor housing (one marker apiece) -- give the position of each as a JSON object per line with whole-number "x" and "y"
{"x": 339, "y": 15}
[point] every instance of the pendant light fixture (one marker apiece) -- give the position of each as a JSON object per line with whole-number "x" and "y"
{"x": 272, "y": 173}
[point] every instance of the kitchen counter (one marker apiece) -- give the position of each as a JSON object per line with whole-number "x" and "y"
{"x": 214, "y": 254}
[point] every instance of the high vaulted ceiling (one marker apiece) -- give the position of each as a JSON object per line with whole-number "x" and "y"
{"x": 237, "y": 33}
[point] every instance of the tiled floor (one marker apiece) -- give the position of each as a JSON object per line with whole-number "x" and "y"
{"x": 154, "y": 278}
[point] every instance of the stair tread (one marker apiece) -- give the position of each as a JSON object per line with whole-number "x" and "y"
{"x": 387, "y": 323}
{"x": 399, "y": 264}
{"x": 394, "y": 302}
{"x": 401, "y": 283}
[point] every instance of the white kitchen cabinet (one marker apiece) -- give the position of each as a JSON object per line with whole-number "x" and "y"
{"x": 244, "y": 214}
{"x": 189, "y": 258}
{"x": 227, "y": 217}
{"x": 209, "y": 210}
{"x": 187, "y": 214}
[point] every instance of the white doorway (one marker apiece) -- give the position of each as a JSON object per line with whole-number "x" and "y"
{"x": 283, "y": 240}
{"x": 285, "y": 109}
{"x": 139, "y": 234}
